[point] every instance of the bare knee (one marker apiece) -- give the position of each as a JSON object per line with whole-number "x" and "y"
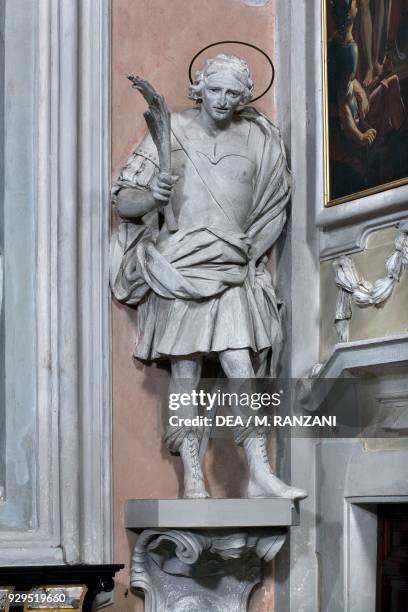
{"x": 393, "y": 84}
{"x": 237, "y": 363}
{"x": 392, "y": 90}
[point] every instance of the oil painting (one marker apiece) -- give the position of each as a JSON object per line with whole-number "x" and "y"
{"x": 365, "y": 97}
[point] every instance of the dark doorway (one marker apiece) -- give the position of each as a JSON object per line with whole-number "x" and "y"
{"x": 392, "y": 569}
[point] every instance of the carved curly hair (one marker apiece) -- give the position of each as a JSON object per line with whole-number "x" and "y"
{"x": 238, "y": 67}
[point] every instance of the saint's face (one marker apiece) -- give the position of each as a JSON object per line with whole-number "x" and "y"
{"x": 221, "y": 95}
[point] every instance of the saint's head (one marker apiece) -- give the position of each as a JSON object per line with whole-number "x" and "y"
{"x": 221, "y": 86}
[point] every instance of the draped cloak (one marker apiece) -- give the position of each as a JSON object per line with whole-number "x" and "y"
{"x": 200, "y": 291}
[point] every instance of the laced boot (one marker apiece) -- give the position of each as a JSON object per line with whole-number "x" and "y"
{"x": 194, "y": 487}
{"x": 262, "y": 481}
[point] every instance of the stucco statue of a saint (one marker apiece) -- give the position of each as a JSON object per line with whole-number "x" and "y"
{"x": 201, "y": 286}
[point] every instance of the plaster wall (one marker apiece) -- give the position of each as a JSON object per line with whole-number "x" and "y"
{"x": 157, "y": 39}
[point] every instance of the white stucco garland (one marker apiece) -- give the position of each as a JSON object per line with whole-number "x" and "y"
{"x": 354, "y": 288}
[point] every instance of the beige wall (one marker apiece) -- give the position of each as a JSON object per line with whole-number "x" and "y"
{"x": 157, "y": 39}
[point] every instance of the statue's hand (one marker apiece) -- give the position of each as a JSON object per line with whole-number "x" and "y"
{"x": 162, "y": 186}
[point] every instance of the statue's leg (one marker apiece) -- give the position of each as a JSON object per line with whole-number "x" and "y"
{"x": 262, "y": 481}
{"x": 184, "y": 439}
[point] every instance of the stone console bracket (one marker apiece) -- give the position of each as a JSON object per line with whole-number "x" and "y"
{"x": 97, "y": 579}
{"x": 214, "y": 567}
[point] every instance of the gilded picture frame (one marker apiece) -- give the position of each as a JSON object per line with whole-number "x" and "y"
{"x": 364, "y": 113}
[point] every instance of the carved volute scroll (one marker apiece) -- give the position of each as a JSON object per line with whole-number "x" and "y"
{"x": 180, "y": 570}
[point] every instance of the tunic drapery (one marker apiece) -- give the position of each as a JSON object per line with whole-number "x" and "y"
{"x": 200, "y": 290}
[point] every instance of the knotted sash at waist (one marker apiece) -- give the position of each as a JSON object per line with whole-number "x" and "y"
{"x": 193, "y": 265}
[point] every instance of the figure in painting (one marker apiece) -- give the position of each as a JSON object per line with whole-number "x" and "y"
{"x": 380, "y": 22}
{"x": 360, "y": 117}
{"x": 373, "y": 27}
{"x": 202, "y": 287}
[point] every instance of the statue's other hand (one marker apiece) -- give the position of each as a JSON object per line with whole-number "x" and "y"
{"x": 162, "y": 186}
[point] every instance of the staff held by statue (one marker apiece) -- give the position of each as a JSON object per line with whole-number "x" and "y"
{"x": 157, "y": 118}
